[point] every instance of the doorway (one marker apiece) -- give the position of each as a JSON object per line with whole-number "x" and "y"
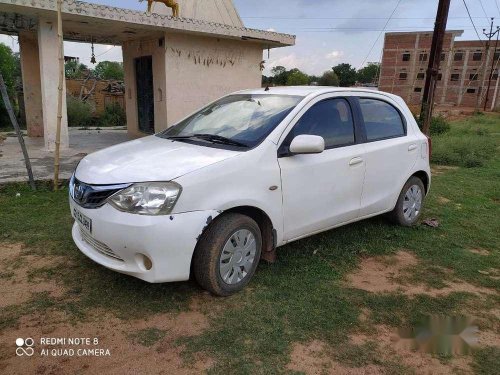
{"x": 145, "y": 94}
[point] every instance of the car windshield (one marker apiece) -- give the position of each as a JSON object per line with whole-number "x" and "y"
{"x": 242, "y": 120}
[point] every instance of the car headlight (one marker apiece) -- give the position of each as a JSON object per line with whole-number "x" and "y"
{"x": 149, "y": 198}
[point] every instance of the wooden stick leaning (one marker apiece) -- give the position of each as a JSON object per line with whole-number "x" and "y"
{"x": 10, "y": 111}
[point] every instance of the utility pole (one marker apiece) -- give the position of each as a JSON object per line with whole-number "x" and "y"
{"x": 485, "y": 65}
{"x": 490, "y": 36}
{"x": 433, "y": 68}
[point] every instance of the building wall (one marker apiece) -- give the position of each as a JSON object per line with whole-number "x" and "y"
{"x": 200, "y": 70}
{"x": 460, "y": 79}
{"x": 131, "y": 50}
{"x": 219, "y": 11}
{"x": 189, "y": 71}
{"x": 100, "y": 98}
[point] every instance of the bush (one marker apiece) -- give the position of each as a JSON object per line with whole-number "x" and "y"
{"x": 467, "y": 149}
{"x": 113, "y": 115}
{"x": 79, "y": 112}
{"x": 439, "y": 125}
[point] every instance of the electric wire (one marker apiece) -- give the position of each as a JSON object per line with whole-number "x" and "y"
{"x": 484, "y": 11}
{"x": 380, "y": 34}
{"x": 471, "y": 20}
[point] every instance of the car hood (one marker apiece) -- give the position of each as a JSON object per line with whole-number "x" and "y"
{"x": 147, "y": 159}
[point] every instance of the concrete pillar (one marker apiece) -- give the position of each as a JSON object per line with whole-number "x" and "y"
{"x": 130, "y": 90}
{"x": 28, "y": 45}
{"x": 48, "y": 46}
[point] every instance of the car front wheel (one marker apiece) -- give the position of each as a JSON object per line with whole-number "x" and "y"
{"x": 410, "y": 203}
{"x": 227, "y": 254}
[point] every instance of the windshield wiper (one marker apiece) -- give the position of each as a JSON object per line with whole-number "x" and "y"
{"x": 211, "y": 138}
{"x": 220, "y": 139}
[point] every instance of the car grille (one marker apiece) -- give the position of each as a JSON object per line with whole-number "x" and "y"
{"x": 98, "y": 245}
{"x": 92, "y": 196}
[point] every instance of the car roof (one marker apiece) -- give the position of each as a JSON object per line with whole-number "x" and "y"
{"x": 316, "y": 90}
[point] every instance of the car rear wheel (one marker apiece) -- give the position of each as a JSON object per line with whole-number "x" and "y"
{"x": 227, "y": 254}
{"x": 410, "y": 203}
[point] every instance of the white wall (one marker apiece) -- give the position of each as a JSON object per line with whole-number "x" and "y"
{"x": 202, "y": 69}
{"x": 189, "y": 71}
{"x": 220, "y": 11}
{"x": 131, "y": 50}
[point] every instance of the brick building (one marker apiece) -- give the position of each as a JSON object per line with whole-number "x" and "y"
{"x": 103, "y": 94}
{"x": 460, "y": 80}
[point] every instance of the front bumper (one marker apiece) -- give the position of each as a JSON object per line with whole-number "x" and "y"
{"x": 119, "y": 241}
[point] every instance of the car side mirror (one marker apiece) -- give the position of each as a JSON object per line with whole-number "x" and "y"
{"x": 307, "y": 144}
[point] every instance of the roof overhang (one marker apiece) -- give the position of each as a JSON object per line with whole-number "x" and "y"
{"x": 84, "y": 22}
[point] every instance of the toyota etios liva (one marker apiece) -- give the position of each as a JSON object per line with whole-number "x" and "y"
{"x": 252, "y": 171}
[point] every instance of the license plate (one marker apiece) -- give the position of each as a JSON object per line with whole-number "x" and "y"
{"x": 84, "y": 221}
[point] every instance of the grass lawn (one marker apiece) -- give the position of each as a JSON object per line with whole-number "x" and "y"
{"x": 331, "y": 303}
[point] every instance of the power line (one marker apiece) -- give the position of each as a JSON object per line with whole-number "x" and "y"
{"x": 430, "y": 27}
{"x": 471, "y": 20}
{"x": 379, "y": 35}
{"x": 498, "y": 6}
{"x": 484, "y": 11}
{"x": 349, "y": 18}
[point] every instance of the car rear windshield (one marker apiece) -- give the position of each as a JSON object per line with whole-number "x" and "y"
{"x": 243, "y": 118}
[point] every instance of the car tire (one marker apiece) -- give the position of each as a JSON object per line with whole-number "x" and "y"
{"x": 410, "y": 203}
{"x": 227, "y": 254}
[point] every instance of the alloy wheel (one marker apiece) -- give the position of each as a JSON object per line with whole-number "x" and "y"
{"x": 412, "y": 203}
{"x": 238, "y": 256}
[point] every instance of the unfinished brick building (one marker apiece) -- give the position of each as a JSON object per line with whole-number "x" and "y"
{"x": 461, "y": 78}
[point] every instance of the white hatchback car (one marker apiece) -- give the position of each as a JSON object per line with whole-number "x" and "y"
{"x": 250, "y": 172}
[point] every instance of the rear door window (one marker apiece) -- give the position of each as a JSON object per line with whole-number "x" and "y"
{"x": 381, "y": 120}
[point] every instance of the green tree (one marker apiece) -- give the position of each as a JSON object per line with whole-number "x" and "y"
{"x": 313, "y": 79}
{"x": 9, "y": 67}
{"x": 369, "y": 73}
{"x": 266, "y": 80}
{"x": 109, "y": 70}
{"x": 280, "y": 75}
{"x": 297, "y": 78}
{"x": 329, "y": 78}
{"x": 75, "y": 70}
{"x": 346, "y": 74}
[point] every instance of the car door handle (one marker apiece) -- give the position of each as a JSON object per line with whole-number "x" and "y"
{"x": 412, "y": 147}
{"x": 355, "y": 161}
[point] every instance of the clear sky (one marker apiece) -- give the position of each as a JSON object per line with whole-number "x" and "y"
{"x": 328, "y": 31}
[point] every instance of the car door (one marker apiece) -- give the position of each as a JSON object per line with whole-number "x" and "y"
{"x": 391, "y": 151}
{"x": 322, "y": 190}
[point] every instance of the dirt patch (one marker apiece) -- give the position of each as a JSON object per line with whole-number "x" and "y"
{"x": 393, "y": 348}
{"x": 114, "y": 335}
{"x": 488, "y": 338}
{"x": 441, "y": 169}
{"x": 386, "y": 274}
{"x": 116, "y": 350}
{"x": 15, "y": 269}
{"x": 443, "y": 200}
{"x": 479, "y": 251}
{"x": 312, "y": 359}
{"x": 377, "y": 274}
